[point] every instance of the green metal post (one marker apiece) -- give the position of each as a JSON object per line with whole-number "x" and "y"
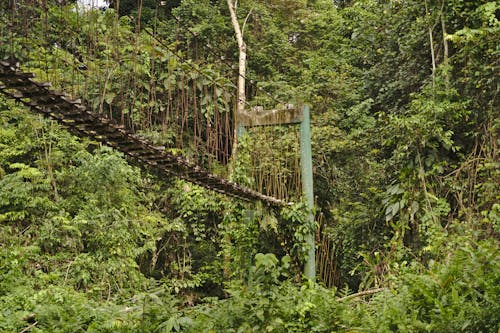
{"x": 241, "y": 131}
{"x": 307, "y": 189}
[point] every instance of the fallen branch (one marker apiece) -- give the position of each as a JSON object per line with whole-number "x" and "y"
{"x": 360, "y": 294}
{"x": 27, "y": 328}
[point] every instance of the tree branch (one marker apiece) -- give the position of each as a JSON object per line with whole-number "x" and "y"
{"x": 27, "y": 328}
{"x": 360, "y": 294}
{"x": 246, "y": 20}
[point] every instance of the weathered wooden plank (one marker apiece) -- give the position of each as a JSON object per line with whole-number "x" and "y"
{"x": 7, "y": 75}
{"x": 16, "y": 83}
{"x": 29, "y": 92}
{"x": 52, "y": 102}
{"x": 261, "y": 117}
{"x": 128, "y": 147}
{"x": 42, "y": 85}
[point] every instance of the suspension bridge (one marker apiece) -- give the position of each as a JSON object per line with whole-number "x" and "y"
{"x": 160, "y": 104}
{"x": 70, "y": 113}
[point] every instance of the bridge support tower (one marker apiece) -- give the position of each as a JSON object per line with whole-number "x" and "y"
{"x": 289, "y": 116}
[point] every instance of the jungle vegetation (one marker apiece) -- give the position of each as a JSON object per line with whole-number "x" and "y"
{"x": 405, "y": 125}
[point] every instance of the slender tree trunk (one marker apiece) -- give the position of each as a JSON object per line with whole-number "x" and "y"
{"x": 240, "y": 109}
{"x": 445, "y": 41}
{"x": 431, "y": 40}
{"x": 446, "y": 49}
{"x": 13, "y": 7}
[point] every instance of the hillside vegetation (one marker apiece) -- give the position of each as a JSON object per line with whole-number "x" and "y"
{"x": 405, "y": 131}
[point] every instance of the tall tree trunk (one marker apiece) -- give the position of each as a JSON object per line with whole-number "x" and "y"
{"x": 431, "y": 41}
{"x": 446, "y": 48}
{"x": 241, "y": 73}
{"x": 445, "y": 41}
{"x": 240, "y": 108}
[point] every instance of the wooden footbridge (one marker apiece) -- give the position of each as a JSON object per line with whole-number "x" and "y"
{"x": 131, "y": 81}
{"x": 82, "y": 121}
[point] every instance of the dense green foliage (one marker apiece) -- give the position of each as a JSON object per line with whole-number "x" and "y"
{"x": 404, "y": 99}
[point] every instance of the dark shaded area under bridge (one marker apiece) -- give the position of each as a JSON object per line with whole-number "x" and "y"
{"x": 81, "y": 121}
